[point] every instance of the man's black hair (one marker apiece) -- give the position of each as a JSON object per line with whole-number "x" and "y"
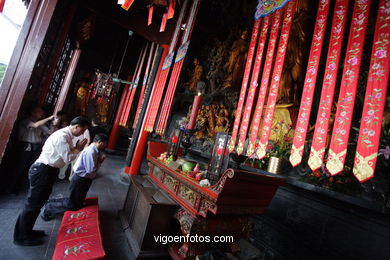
{"x": 100, "y": 138}
{"x": 81, "y": 121}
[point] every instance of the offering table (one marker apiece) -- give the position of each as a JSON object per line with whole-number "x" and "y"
{"x": 220, "y": 209}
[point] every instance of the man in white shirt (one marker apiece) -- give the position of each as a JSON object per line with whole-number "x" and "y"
{"x": 62, "y": 173}
{"x": 85, "y": 168}
{"x": 56, "y": 152}
{"x": 29, "y": 146}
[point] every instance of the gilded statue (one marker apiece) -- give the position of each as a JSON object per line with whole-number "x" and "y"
{"x": 102, "y": 110}
{"x": 211, "y": 119}
{"x": 196, "y": 76}
{"x": 81, "y": 99}
{"x": 201, "y": 122}
{"x": 236, "y": 64}
{"x": 293, "y": 71}
{"x": 222, "y": 119}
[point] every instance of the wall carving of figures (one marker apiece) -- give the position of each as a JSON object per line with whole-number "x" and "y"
{"x": 216, "y": 61}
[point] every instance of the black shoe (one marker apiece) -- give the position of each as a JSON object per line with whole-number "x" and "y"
{"x": 38, "y": 233}
{"x": 47, "y": 217}
{"x": 32, "y": 241}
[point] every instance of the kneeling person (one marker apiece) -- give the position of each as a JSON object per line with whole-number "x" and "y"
{"x": 85, "y": 170}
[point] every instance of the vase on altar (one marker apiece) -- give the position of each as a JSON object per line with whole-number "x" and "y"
{"x": 275, "y": 165}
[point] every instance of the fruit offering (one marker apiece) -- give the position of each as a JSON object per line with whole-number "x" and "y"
{"x": 199, "y": 176}
{"x": 165, "y": 158}
{"x": 197, "y": 168}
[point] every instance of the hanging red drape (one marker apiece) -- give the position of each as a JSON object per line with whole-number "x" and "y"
{"x": 253, "y": 86}
{"x": 244, "y": 85}
{"x": 275, "y": 83}
{"x": 166, "y": 108}
{"x": 375, "y": 98}
{"x": 144, "y": 82}
{"x": 264, "y": 82}
{"x": 310, "y": 83}
{"x": 345, "y": 105}
{"x": 318, "y": 146}
{"x": 163, "y": 74}
{"x": 133, "y": 87}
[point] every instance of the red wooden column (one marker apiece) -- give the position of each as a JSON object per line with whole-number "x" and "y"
{"x": 115, "y": 128}
{"x": 133, "y": 168}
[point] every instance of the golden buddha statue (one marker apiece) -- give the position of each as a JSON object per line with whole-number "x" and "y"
{"x": 102, "y": 110}
{"x": 81, "y": 99}
{"x": 293, "y": 74}
{"x": 236, "y": 64}
{"x": 196, "y": 76}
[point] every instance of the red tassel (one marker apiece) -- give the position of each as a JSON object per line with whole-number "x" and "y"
{"x": 150, "y": 17}
{"x": 163, "y": 22}
{"x": 127, "y": 4}
{"x": 171, "y": 9}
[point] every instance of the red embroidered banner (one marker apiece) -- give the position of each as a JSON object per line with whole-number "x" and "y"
{"x": 244, "y": 85}
{"x": 375, "y": 99}
{"x": 317, "y": 151}
{"x": 310, "y": 83}
{"x": 127, "y": 4}
{"x": 132, "y": 88}
{"x": 275, "y": 83}
{"x": 253, "y": 86}
{"x": 343, "y": 119}
{"x": 264, "y": 83}
{"x": 150, "y": 15}
{"x": 163, "y": 74}
{"x": 144, "y": 82}
{"x": 177, "y": 69}
{"x": 155, "y": 96}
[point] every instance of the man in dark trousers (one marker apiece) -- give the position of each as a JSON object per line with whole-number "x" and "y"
{"x": 29, "y": 146}
{"x": 56, "y": 152}
{"x": 85, "y": 168}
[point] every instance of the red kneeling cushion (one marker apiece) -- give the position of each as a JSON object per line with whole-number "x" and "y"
{"x": 79, "y": 235}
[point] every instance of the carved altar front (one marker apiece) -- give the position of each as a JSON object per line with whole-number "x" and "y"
{"x": 219, "y": 209}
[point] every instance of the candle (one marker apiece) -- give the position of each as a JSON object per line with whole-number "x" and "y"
{"x": 194, "y": 111}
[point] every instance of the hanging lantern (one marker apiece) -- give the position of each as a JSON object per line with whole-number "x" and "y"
{"x": 103, "y": 85}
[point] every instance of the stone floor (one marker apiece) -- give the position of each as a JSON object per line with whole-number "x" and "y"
{"x": 110, "y": 187}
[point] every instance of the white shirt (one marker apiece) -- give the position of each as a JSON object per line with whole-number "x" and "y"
{"x": 29, "y": 134}
{"x": 57, "y": 150}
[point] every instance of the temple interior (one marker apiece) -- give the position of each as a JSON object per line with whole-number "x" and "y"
{"x": 266, "y": 122}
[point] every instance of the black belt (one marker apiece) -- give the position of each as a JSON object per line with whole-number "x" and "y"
{"x": 44, "y": 165}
